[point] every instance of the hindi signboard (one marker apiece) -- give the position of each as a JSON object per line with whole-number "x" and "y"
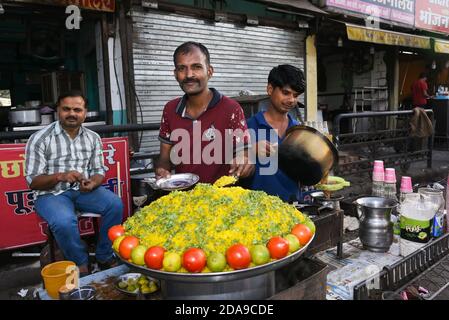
{"x": 97, "y": 5}
{"x": 401, "y": 11}
{"x": 20, "y": 226}
{"x": 432, "y": 15}
{"x": 358, "y": 33}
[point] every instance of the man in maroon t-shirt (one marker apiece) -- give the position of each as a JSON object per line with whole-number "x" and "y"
{"x": 202, "y": 132}
{"x": 419, "y": 91}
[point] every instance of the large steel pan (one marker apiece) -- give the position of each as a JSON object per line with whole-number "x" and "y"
{"x": 251, "y": 283}
{"x": 306, "y": 155}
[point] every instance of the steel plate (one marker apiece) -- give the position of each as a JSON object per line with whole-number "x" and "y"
{"x": 179, "y": 181}
{"x": 219, "y": 276}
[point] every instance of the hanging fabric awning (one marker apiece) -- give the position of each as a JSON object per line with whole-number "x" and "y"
{"x": 360, "y": 33}
{"x": 441, "y": 46}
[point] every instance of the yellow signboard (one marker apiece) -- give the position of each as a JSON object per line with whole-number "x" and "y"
{"x": 98, "y": 5}
{"x": 359, "y": 33}
{"x": 441, "y": 46}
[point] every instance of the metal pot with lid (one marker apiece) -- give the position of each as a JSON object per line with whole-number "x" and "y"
{"x": 21, "y": 115}
{"x": 306, "y": 155}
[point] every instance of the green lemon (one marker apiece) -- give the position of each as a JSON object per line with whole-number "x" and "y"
{"x": 216, "y": 262}
{"x": 293, "y": 242}
{"x": 259, "y": 254}
{"x": 138, "y": 254}
{"x": 171, "y": 262}
{"x": 116, "y": 243}
{"x": 308, "y": 222}
{"x": 153, "y": 286}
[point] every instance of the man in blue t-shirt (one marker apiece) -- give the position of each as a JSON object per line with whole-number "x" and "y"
{"x": 285, "y": 84}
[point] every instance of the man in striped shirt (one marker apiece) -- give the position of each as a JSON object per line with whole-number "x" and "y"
{"x": 64, "y": 166}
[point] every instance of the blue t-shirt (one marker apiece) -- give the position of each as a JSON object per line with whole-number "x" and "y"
{"x": 278, "y": 184}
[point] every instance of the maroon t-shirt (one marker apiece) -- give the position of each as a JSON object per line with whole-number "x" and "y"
{"x": 205, "y": 145}
{"x": 418, "y": 88}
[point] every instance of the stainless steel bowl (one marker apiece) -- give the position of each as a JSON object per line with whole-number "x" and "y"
{"x": 21, "y": 116}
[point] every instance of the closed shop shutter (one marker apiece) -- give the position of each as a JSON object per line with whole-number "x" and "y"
{"x": 242, "y": 57}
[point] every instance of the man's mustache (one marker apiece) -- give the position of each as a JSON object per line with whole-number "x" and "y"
{"x": 70, "y": 118}
{"x": 190, "y": 80}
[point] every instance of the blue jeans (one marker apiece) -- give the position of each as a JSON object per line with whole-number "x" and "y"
{"x": 59, "y": 212}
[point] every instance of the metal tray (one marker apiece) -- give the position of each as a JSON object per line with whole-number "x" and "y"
{"x": 219, "y": 276}
{"x": 179, "y": 181}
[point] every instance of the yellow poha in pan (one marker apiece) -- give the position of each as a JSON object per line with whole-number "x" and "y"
{"x": 212, "y": 218}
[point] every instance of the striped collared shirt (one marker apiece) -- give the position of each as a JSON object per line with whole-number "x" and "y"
{"x": 51, "y": 150}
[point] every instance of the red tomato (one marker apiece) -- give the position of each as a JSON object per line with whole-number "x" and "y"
{"x": 194, "y": 260}
{"x": 238, "y": 256}
{"x": 278, "y": 247}
{"x": 303, "y": 233}
{"x": 127, "y": 245}
{"x": 115, "y": 232}
{"x": 154, "y": 257}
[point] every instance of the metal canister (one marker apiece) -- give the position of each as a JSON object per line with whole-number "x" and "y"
{"x": 376, "y": 228}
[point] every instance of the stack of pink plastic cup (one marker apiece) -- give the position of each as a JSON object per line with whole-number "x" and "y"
{"x": 378, "y": 171}
{"x": 390, "y": 175}
{"x": 406, "y": 185}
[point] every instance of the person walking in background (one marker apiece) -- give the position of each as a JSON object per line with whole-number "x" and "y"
{"x": 419, "y": 91}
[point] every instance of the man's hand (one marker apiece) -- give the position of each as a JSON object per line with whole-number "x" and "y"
{"x": 241, "y": 167}
{"x": 87, "y": 185}
{"x": 264, "y": 149}
{"x": 70, "y": 177}
{"x": 163, "y": 164}
{"x": 46, "y": 182}
{"x": 162, "y": 173}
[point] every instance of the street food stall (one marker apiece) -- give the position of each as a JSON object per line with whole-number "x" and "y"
{"x": 314, "y": 271}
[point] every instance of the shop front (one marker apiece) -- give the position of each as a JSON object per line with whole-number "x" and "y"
{"x": 49, "y": 47}
{"x": 371, "y": 52}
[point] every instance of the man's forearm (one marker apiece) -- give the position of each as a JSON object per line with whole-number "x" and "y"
{"x": 163, "y": 163}
{"x": 45, "y": 182}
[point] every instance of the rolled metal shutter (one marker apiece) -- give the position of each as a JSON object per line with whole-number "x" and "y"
{"x": 242, "y": 57}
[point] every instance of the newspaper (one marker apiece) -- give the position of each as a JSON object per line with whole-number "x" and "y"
{"x": 357, "y": 265}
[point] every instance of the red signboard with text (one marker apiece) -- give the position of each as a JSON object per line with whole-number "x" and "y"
{"x": 401, "y": 11}
{"x": 19, "y": 225}
{"x": 98, "y": 5}
{"x": 432, "y": 15}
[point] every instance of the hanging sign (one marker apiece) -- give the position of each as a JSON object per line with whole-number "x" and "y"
{"x": 401, "y": 11}
{"x": 441, "y": 46}
{"x": 432, "y": 15}
{"x": 358, "y": 33}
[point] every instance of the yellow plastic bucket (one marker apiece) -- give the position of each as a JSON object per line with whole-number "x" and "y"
{"x": 55, "y": 276}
